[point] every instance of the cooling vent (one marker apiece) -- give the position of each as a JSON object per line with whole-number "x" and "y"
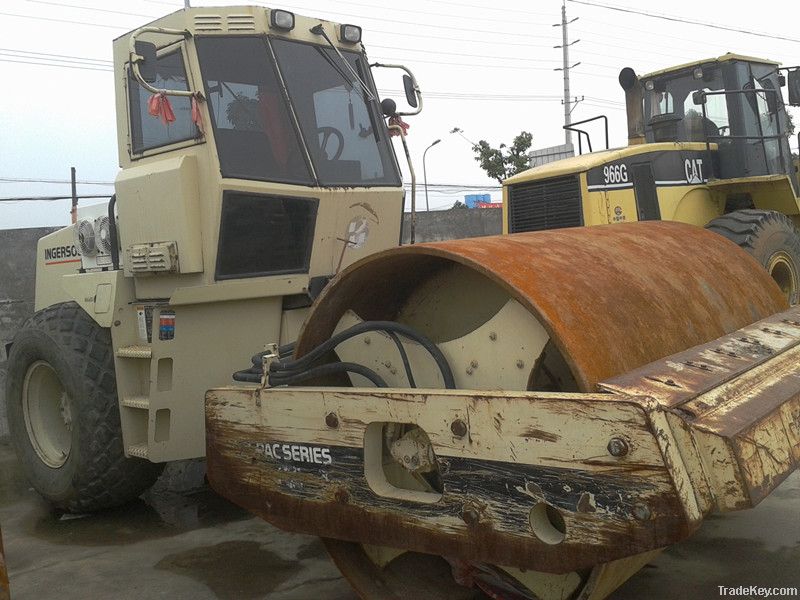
{"x": 86, "y": 240}
{"x": 544, "y": 204}
{"x": 208, "y": 23}
{"x": 241, "y": 23}
{"x": 103, "y": 232}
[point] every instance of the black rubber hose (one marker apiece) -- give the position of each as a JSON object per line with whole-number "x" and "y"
{"x": 283, "y": 352}
{"x": 404, "y": 358}
{"x": 367, "y": 326}
{"x": 248, "y": 376}
{"x": 112, "y": 232}
{"x": 276, "y": 379}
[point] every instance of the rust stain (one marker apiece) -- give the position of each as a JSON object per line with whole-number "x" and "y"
{"x": 722, "y": 294}
{"x": 539, "y": 434}
{"x": 303, "y": 502}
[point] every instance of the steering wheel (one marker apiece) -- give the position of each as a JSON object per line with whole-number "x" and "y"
{"x": 327, "y": 133}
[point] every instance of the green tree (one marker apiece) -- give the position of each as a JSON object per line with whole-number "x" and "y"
{"x": 504, "y": 161}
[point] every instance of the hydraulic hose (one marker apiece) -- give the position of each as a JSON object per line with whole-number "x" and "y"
{"x": 301, "y": 364}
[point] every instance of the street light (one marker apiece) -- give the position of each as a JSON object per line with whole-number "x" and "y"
{"x": 425, "y": 174}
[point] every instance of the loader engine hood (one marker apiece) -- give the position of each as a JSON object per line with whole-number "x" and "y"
{"x": 566, "y": 193}
{"x": 585, "y": 162}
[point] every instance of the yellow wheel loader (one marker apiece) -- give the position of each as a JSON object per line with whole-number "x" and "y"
{"x": 526, "y": 416}
{"x": 707, "y": 145}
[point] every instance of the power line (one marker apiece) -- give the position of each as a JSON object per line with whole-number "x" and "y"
{"x": 451, "y": 15}
{"x": 59, "y": 181}
{"x": 62, "y": 65}
{"x": 463, "y": 64}
{"x": 48, "y": 198}
{"x": 684, "y": 20}
{"x": 416, "y": 24}
{"x": 428, "y": 51}
{"x": 100, "y": 61}
{"x": 92, "y": 8}
{"x": 484, "y": 7}
{"x": 53, "y": 20}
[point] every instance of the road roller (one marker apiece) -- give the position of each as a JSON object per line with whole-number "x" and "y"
{"x": 526, "y": 416}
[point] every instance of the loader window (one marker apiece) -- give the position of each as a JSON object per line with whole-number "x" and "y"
{"x": 252, "y": 126}
{"x": 148, "y": 131}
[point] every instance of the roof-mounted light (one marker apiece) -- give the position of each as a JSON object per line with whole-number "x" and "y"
{"x": 650, "y": 86}
{"x": 281, "y": 19}
{"x": 350, "y": 33}
{"x": 697, "y": 73}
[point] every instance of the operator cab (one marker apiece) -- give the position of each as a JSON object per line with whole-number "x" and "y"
{"x": 732, "y": 101}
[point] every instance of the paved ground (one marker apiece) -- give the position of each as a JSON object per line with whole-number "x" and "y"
{"x": 193, "y": 545}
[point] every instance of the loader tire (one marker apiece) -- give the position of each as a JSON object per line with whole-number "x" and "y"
{"x": 63, "y": 414}
{"x": 771, "y": 238}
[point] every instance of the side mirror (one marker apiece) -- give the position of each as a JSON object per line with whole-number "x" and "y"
{"x": 147, "y": 66}
{"x": 794, "y": 87}
{"x": 411, "y": 94}
{"x": 698, "y": 98}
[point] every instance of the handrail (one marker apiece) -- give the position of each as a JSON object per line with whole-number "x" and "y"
{"x": 417, "y": 91}
{"x": 571, "y": 127}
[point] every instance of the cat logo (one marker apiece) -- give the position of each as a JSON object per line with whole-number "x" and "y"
{"x": 693, "y": 169}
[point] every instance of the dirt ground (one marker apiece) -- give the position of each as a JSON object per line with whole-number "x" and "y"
{"x": 182, "y": 541}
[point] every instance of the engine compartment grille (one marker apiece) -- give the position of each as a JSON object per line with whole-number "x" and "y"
{"x": 546, "y": 204}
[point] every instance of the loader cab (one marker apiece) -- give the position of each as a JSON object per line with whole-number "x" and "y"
{"x": 734, "y": 102}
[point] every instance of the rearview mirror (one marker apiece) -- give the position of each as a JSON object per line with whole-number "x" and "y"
{"x": 698, "y": 97}
{"x": 411, "y": 94}
{"x": 147, "y": 66}
{"x": 794, "y": 87}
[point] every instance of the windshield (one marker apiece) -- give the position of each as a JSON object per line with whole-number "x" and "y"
{"x": 672, "y": 115}
{"x": 345, "y": 136}
{"x": 255, "y": 132}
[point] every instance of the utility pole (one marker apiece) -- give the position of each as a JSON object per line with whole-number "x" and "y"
{"x": 73, "y": 184}
{"x": 565, "y": 44}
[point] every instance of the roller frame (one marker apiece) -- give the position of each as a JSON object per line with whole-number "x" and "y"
{"x": 716, "y": 427}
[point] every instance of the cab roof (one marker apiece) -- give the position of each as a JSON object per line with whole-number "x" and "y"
{"x": 730, "y": 56}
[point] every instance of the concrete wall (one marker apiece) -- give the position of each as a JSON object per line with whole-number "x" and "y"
{"x": 453, "y": 224}
{"x": 17, "y": 273}
{"x": 18, "y": 260}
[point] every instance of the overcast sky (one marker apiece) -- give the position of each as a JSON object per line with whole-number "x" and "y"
{"x": 487, "y": 67}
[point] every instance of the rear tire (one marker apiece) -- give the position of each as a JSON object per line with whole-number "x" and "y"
{"x": 63, "y": 413}
{"x": 771, "y": 238}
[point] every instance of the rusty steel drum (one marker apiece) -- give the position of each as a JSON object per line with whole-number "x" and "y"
{"x": 612, "y": 298}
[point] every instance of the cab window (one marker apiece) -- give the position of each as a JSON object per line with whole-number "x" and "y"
{"x": 148, "y": 131}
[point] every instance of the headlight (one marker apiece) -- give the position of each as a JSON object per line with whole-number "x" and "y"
{"x": 351, "y": 33}
{"x": 281, "y": 19}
